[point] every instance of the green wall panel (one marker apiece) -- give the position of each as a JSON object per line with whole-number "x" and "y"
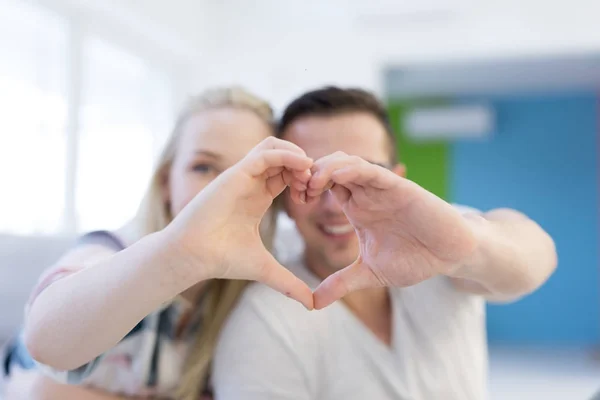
{"x": 427, "y": 163}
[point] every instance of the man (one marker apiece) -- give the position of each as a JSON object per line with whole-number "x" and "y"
{"x": 412, "y": 273}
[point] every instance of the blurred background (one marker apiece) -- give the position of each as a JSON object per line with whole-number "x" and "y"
{"x": 496, "y": 103}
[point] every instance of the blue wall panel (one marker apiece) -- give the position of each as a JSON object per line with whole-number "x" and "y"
{"x": 542, "y": 160}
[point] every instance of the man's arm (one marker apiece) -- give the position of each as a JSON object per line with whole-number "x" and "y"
{"x": 257, "y": 357}
{"x": 514, "y": 256}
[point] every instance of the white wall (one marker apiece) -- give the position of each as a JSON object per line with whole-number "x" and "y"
{"x": 282, "y": 48}
{"x": 175, "y": 27}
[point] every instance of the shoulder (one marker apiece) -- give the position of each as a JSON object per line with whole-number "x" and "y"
{"x": 270, "y": 306}
{"x": 270, "y": 344}
{"x": 267, "y": 348}
{"x": 267, "y": 317}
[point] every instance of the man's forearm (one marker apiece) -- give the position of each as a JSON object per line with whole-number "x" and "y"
{"x": 514, "y": 256}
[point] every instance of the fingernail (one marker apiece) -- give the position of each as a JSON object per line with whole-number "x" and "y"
{"x": 303, "y": 197}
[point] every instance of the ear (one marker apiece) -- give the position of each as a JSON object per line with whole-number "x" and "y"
{"x": 399, "y": 169}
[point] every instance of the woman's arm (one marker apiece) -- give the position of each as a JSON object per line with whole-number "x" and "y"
{"x": 32, "y": 385}
{"x": 81, "y": 315}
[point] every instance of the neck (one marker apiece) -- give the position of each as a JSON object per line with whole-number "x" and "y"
{"x": 371, "y": 306}
{"x": 368, "y": 301}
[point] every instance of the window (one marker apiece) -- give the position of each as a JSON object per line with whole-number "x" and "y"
{"x": 32, "y": 119}
{"x": 124, "y": 120}
{"x": 55, "y": 179}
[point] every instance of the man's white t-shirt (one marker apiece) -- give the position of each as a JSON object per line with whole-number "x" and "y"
{"x": 273, "y": 348}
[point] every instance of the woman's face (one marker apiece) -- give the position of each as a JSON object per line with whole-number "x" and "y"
{"x": 211, "y": 141}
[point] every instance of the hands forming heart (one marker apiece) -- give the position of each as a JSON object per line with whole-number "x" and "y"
{"x": 406, "y": 234}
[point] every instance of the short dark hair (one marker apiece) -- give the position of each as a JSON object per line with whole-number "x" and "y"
{"x": 333, "y": 100}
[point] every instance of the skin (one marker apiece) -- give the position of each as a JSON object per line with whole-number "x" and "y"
{"x": 403, "y": 234}
{"x": 219, "y": 187}
{"x": 211, "y": 142}
{"x": 325, "y": 251}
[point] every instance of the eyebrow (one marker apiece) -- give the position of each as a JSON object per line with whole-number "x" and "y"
{"x": 208, "y": 153}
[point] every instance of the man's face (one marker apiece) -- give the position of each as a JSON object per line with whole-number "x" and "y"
{"x": 330, "y": 241}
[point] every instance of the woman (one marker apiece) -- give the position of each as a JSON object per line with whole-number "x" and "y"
{"x": 137, "y": 312}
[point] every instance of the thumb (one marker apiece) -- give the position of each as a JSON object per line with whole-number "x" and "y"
{"x": 341, "y": 194}
{"x": 354, "y": 277}
{"x": 284, "y": 281}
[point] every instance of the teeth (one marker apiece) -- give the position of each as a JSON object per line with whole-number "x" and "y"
{"x": 338, "y": 229}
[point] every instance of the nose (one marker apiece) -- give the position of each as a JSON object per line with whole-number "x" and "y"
{"x": 330, "y": 203}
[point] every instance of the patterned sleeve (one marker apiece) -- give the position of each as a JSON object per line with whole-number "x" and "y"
{"x": 99, "y": 245}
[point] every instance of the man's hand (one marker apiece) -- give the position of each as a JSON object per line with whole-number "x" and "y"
{"x": 406, "y": 233}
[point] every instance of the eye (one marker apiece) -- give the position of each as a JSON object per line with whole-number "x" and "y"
{"x": 203, "y": 168}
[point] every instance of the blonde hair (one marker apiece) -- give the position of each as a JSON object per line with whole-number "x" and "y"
{"x": 155, "y": 214}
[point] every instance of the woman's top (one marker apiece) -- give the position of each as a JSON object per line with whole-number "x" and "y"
{"x": 148, "y": 361}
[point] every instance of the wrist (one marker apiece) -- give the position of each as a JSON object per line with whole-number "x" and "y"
{"x": 468, "y": 267}
{"x": 184, "y": 267}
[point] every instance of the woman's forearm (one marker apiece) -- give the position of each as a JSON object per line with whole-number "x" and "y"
{"x": 83, "y": 315}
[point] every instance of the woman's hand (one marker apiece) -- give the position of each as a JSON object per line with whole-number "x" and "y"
{"x": 218, "y": 231}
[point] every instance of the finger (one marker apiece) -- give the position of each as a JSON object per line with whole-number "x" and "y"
{"x": 365, "y": 174}
{"x": 350, "y": 188}
{"x": 356, "y": 276}
{"x": 311, "y": 199}
{"x": 297, "y": 188}
{"x": 298, "y": 196}
{"x": 276, "y": 185}
{"x": 289, "y": 177}
{"x": 342, "y": 195}
{"x": 298, "y": 184}
{"x": 324, "y": 167}
{"x": 316, "y": 192}
{"x": 303, "y": 176}
{"x": 274, "y": 171}
{"x": 259, "y": 164}
{"x": 284, "y": 281}
{"x": 273, "y": 143}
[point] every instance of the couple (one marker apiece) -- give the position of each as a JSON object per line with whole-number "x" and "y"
{"x": 386, "y": 299}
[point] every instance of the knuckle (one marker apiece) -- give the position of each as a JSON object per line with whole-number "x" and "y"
{"x": 355, "y": 159}
{"x": 271, "y": 140}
